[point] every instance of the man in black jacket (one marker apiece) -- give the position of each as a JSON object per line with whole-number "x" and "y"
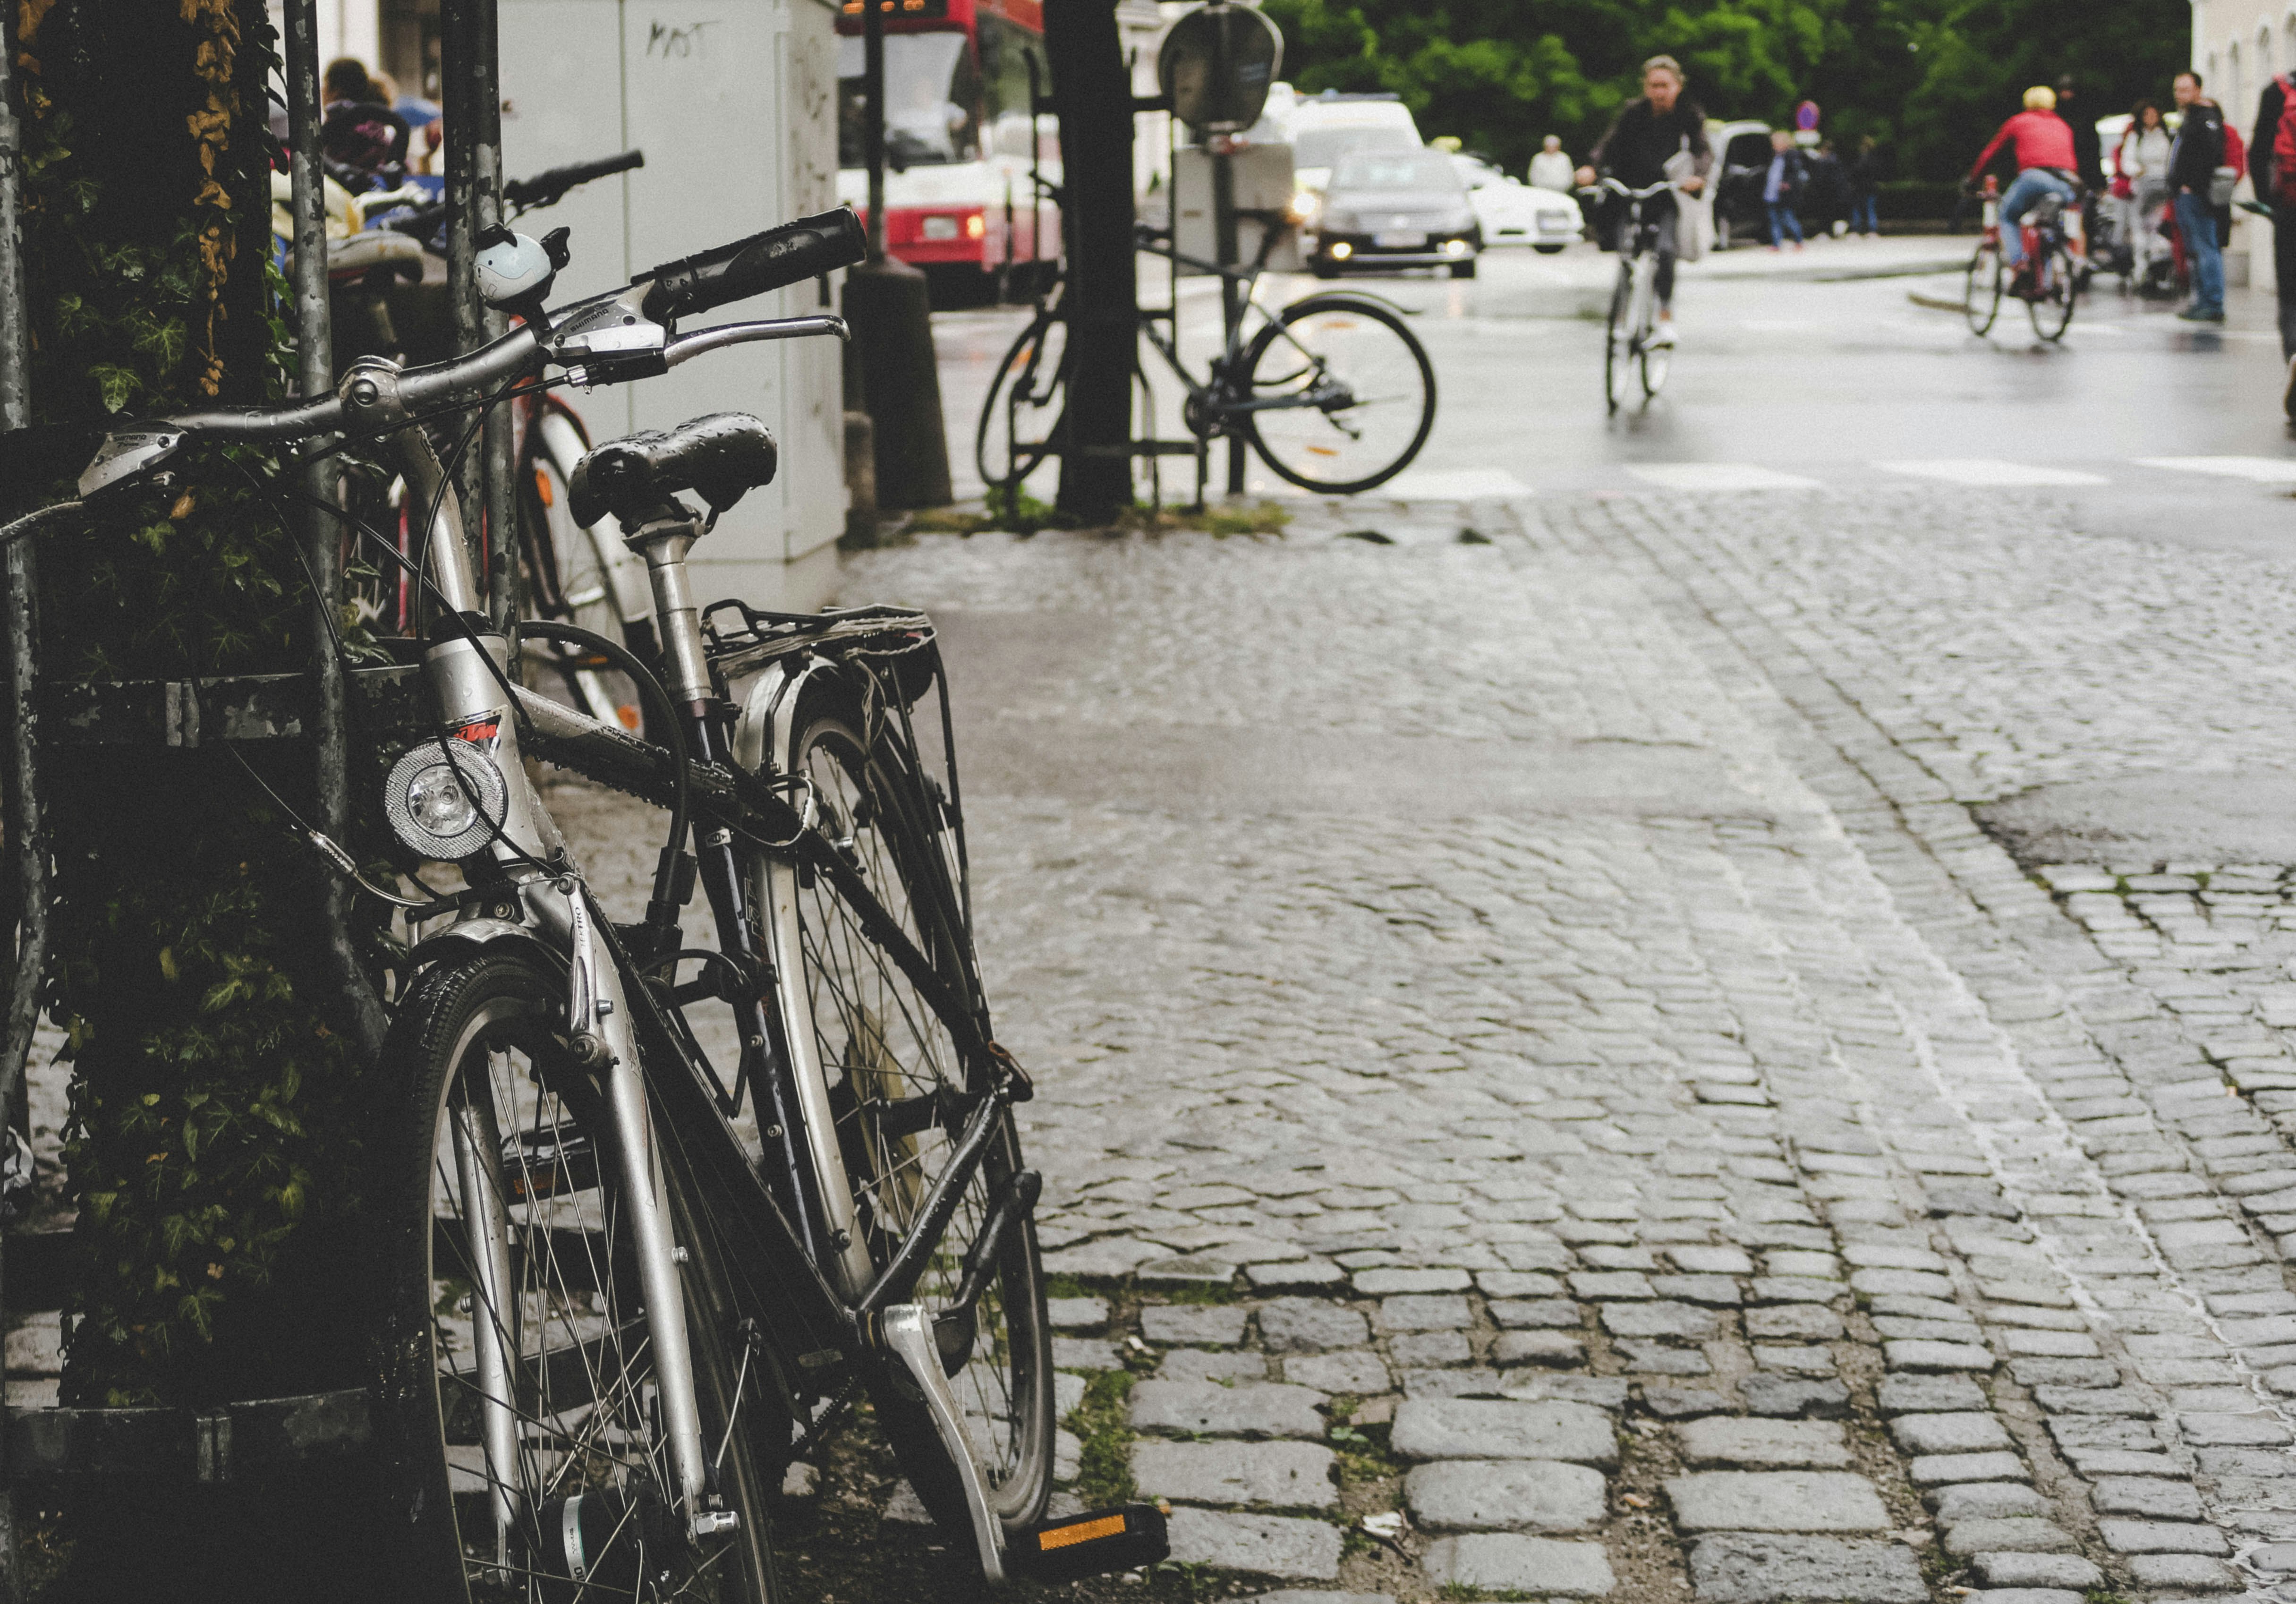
{"x": 1662, "y": 129}
{"x": 2199, "y": 152}
{"x": 2264, "y": 170}
{"x": 2089, "y": 149}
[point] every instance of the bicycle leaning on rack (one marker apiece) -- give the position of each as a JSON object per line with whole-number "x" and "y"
{"x": 1331, "y": 391}
{"x": 1630, "y": 342}
{"x": 623, "y": 1288}
{"x": 2048, "y": 280}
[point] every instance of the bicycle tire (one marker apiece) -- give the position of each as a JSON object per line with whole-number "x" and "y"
{"x": 569, "y": 572}
{"x": 858, "y": 1027}
{"x": 2053, "y": 313}
{"x": 1618, "y": 340}
{"x": 464, "y": 1043}
{"x": 1326, "y": 340}
{"x": 1026, "y": 405}
{"x": 1981, "y": 289}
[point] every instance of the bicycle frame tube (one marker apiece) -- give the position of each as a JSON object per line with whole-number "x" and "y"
{"x": 474, "y": 705}
{"x": 495, "y": 1304}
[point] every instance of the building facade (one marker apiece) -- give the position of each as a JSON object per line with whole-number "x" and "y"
{"x": 734, "y": 104}
{"x": 2237, "y": 47}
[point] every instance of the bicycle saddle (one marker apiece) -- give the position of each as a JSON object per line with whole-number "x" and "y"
{"x": 720, "y": 457}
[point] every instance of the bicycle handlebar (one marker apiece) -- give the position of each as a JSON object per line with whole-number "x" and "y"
{"x": 772, "y": 260}
{"x": 1612, "y": 186}
{"x": 619, "y": 336}
{"x": 549, "y": 187}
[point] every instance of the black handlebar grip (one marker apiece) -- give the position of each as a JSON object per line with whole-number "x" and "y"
{"x": 787, "y": 255}
{"x": 545, "y": 188}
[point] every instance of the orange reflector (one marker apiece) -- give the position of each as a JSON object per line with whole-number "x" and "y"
{"x": 1319, "y": 450}
{"x": 627, "y": 712}
{"x": 1084, "y": 1530}
{"x": 542, "y": 488}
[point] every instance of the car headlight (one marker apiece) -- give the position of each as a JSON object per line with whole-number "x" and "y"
{"x": 1305, "y": 206}
{"x": 445, "y": 799}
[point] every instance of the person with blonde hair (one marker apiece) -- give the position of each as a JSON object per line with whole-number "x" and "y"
{"x": 2043, "y": 146}
{"x": 1657, "y": 136}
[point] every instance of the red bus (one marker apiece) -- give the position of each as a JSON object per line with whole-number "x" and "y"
{"x": 957, "y": 137}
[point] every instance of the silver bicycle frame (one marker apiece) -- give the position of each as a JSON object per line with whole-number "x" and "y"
{"x": 470, "y": 693}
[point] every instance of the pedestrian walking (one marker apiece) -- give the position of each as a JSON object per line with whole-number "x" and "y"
{"x": 2140, "y": 179}
{"x": 1865, "y": 189}
{"x": 1781, "y": 184}
{"x": 2192, "y": 162}
{"x": 2272, "y": 163}
{"x": 1550, "y": 169}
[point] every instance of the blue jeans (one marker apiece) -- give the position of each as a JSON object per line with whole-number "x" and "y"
{"x": 1782, "y": 222}
{"x": 2196, "y": 222}
{"x": 1865, "y": 216}
{"x": 2031, "y": 185}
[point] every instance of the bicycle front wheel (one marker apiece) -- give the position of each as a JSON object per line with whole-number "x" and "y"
{"x": 2052, "y": 309}
{"x": 1980, "y": 288}
{"x": 521, "y": 1409}
{"x": 898, "y": 1089}
{"x": 1618, "y": 340}
{"x": 1021, "y": 420}
{"x": 1341, "y": 395}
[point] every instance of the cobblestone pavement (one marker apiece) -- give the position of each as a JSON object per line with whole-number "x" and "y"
{"x": 1548, "y": 1090}
{"x": 1534, "y": 1041}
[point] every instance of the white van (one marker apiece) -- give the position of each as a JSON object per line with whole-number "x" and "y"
{"x": 1321, "y": 127}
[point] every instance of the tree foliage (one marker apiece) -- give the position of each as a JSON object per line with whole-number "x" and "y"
{"x": 1929, "y": 78}
{"x": 211, "y": 1121}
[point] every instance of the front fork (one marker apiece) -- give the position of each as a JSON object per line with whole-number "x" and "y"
{"x": 558, "y": 906}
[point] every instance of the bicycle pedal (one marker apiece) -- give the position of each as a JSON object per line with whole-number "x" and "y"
{"x": 1093, "y": 1544}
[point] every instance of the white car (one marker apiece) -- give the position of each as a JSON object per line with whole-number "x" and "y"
{"x": 1513, "y": 213}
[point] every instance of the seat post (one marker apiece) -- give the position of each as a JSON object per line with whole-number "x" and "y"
{"x": 663, "y": 543}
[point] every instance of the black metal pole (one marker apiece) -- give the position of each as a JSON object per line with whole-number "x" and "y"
{"x": 472, "y": 112}
{"x": 1093, "y": 93}
{"x": 27, "y": 835}
{"x": 873, "y": 128}
{"x": 495, "y": 470}
{"x": 321, "y": 534}
{"x": 1222, "y": 160}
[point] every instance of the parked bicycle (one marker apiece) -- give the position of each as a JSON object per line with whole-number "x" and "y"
{"x": 1331, "y": 391}
{"x": 577, "y": 575}
{"x": 1630, "y": 346}
{"x": 2047, "y": 281}
{"x": 623, "y": 1286}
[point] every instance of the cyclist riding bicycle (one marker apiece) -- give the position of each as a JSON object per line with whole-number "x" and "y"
{"x": 2046, "y": 163}
{"x": 1659, "y": 137}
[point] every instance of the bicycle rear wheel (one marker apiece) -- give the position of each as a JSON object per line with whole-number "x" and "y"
{"x": 1980, "y": 288}
{"x": 2051, "y": 310}
{"x": 899, "y": 1088}
{"x": 1618, "y": 340}
{"x": 521, "y": 1405}
{"x": 1021, "y": 420}
{"x": 1342, "y": 396}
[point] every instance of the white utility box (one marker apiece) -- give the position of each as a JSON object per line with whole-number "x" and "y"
{"x": 1263, "y": 182}
{"x": 734, "y": 104}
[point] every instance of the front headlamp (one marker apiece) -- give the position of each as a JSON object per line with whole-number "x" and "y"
{"x": 445, "y": 799}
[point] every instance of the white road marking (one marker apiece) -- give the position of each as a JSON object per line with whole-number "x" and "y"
{"x": 1719, "y": 476}
{"x": 1989, "y": 473}
{"x": 2261, "y": 470}
{"x": 1453, "y": 484}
